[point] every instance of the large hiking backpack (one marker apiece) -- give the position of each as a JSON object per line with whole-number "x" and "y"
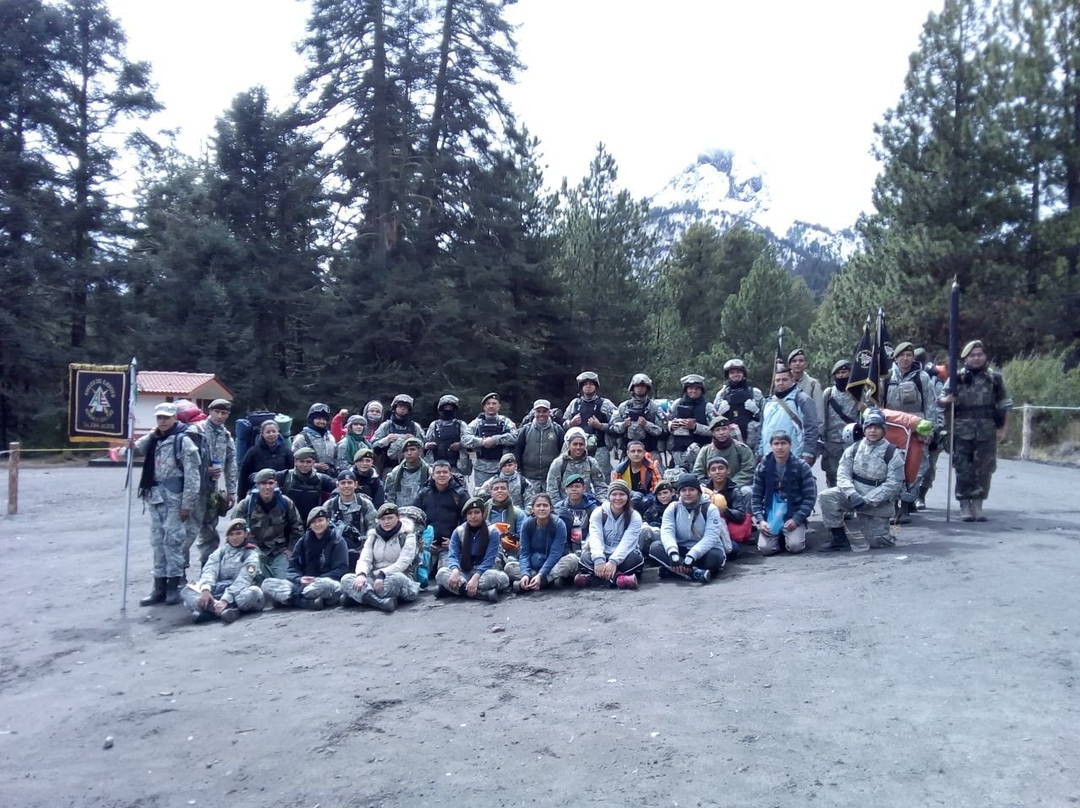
{"x": 247, "y": 429}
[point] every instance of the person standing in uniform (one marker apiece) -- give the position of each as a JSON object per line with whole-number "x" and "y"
{"x": 690, "y": 417}
{"x": 841, "y": 409}
{"x": 317, "y": 436}
{"x": 741, "y": 403}
{"x": 639, "y": 417}
{"x": 389, "y": 439}
{"x": 981, "y": 421}
{"x": 593, "y": 414}
{"x": 496, "y": 435}
{"x": 448, "y": 437}
{"x": 538, "y": 444}
{"x": 171, "y": 476}
{"x": 227, "y": 584}
{"x": 804, "y": 381}
{"x": 218, "y": 485}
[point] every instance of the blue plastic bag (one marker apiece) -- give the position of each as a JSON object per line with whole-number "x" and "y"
{"x": 775, "y": 516}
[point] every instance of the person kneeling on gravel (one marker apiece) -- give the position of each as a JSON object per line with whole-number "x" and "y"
{"x": 868, "y": 481}
{"x": 227, "y": 584}
{"x": 694, "y": 540}
{"x": 612, "y": 555}
{"x": 386, "y": 571}
{"x": 318, "y": 561}
{"x": 470, "y": 571}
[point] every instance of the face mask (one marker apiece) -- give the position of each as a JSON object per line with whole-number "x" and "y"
{"x": 841, "y": 384}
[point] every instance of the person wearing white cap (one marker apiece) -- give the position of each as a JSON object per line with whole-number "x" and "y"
{"x": 169, "y": 484}
{"x": 539, "y": 442}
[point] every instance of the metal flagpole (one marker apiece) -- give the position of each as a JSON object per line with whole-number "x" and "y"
{"x": 954, "y": 380}
{"x": 132, "y": 393}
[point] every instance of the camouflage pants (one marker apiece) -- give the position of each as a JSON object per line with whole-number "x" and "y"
{"x": 396, "y": 585}
{"x": 646, "y": 537}
{"x": 870, "y": 530}
{"x": 247, "y": 600}
{"x": 286, "y": 593}
{"x": 167, "y": 534}
{"x": 975, "y": 462}
{"x": 202, "y": 530}
{"x": 492, "y": 579}
{"x": 483, "y": 470}
{"x": 603, "y": 459}
{"x": 274, "y": 566}
{"x": 830, "y": 462}
{"x": 931, "y": 469}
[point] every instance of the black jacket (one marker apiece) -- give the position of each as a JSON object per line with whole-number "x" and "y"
{"x": 442, "y": 508}
{"x": 259, "y": 457}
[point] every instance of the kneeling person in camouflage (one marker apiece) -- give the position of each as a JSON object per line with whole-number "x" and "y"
{"x": 386, "y": 571}
{"x": 868, "y": 481}
{"x": 318, "y": 561}
{"x": 227, "y": 584}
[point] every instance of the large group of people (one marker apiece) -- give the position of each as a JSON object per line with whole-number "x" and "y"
{"x": 369, "y": 508}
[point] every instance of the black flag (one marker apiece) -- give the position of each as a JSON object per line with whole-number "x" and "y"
{"x": 861, "y": 379}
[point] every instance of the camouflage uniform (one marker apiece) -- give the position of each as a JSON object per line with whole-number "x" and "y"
{"x": 215, "y": 444}
{"x": 982, "y": 404}
{"x": 403, "y": 485}
{"x": 324, "y": 445}
{"x": 486, "y": 464}
{"x": 352, "y": 521}
{"x": 913, "y": 392}
{"x": 381, "y": 441}
{"x": 229, "y": 574}
{"x": 832, "y": 430}
{"x": 812, "y": 387}
{"x": 742, "y": 405}
{"x": 176, "y": 487}
{"x": 274, "y": 531}
{"x": 515, "y": 482}
{"x": 863, "y": 471}
{"x": 393, "y": 558}
{"x": 605, "y": 410}
{"x": 589, "y": 469}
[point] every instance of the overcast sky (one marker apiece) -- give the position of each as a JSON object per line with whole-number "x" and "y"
{"x": 795, "y": 84}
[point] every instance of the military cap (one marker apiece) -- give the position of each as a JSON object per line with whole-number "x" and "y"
{"x": 264, "y": 475}
{"x": 306, "y": 451}
{"x": 166, "y": 409}
{"x": 387, "y": 507}
{"x": 220, "y": 404}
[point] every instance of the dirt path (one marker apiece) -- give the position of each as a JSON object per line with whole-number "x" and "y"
{"x": 940, "y": 673}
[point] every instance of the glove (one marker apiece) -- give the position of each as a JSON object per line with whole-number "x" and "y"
{"x": 689, "y": 561}
{"x": 856, "y": 500}
{"x": 725, "y": 408}
{"x": 751, "y": 406}
{"x": 674, "y": 559}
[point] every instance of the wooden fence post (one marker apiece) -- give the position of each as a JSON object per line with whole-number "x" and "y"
{"x": 13, "y": 479}
{"x": 1025, "y": 439}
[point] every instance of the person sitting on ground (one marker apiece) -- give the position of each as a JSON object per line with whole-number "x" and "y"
{"x": 652, "y": 515}
{"x": 783, "y": 497}
{"x": 739, "y": 456}
{"x": 612, "y": 555}
{"x": 352, "y": 514}
{"x": 508, "y": 472}
{"x": 731, "y": 501}
{"x": 303, "y": 485}
{"x": 575, "y": 511}
{"x": 368, "y": 481}
{"x": 405, "y": 480}
{"x": 353, "y": 441}
{"x": 273, "y": 523}
{"x": 318, "y": 561}
{"x": 470, "y": 571}
{"x": 638, "y": 470}
{"x": 270, "y": 451}
{"x": 544, "y": 560}
{"x": 694, "y": 541}
{"x": 226, "y": 586}
{"x": 508, "y": 520}
{"x": 386, "y": 570}
{"x": 575, "y": 460}
{"x": 316, "y": 435}
{"x": 869, "y": 478}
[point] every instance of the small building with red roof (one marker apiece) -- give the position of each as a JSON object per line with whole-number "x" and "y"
{"x": 157, "y": 386}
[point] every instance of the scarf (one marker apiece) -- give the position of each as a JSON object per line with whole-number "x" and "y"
{"x": 147, "y": 480}
{"x": 470, "y": 533}
{"x": 386, "y": 535}
{"x": 354, "y": 444}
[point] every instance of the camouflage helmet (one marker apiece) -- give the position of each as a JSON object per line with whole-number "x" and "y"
{"x": 417, "y": 515}
{"x": 734, "y": 364}
{"x": 692, "y": 378}
{"x": 448, "y": 401}
{"x": 402, "y": 398}
{"x": 639, "y": 378}
{"x": 318, "y": 408}
{"x": 587, "y": 376}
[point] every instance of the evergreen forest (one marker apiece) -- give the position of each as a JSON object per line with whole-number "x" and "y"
{"x": 392, "y": 231}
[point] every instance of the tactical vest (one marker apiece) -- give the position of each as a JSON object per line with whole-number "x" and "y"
{"x": 736, "y": 397}
{"x": 591, "y": 409}
{"x": 687, "y": 408}
{"x": 446, "y": 433}
{"x": 635, "y": 410}
{"x": 490, "y": 428}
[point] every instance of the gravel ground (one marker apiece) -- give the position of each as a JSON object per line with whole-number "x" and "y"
{"x": 938, "y": 673}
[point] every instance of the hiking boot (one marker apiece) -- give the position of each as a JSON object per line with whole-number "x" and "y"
{"x": 345, "y": 602}
{"x": 701, "y": 576}
{"x": 965, "y": 511}
{"x": 157, "y": 594}
{"x": 626, "y": 581}
{"x": 230, "y": 615}
{"x": 920, "y": 504}
{"x": 313, "y": 604}
{"x": 442, "y": 592}
{"x": 516, "y": 586}
{"x": 369, "y": 598}
{"x": 201, "y": 616}
{"x": 581, "y": 580}
{"x": 490, "y": 595}
{"x": 665, "y": 573}
{"x": 903, "y": 514}
{"x": 838, "y": 541}
{"x": 977, "y": 511}
{"x": 172, "y": 590}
